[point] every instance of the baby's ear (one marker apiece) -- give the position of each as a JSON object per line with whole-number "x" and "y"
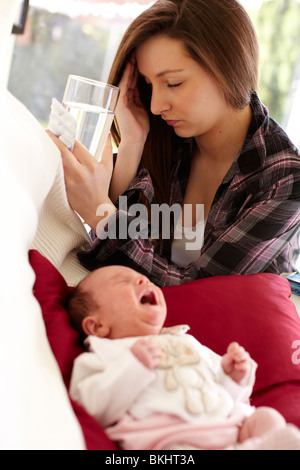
{"x": 92, "y": 325}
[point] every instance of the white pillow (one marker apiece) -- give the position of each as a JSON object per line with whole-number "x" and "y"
{"x": 35, "y": 412}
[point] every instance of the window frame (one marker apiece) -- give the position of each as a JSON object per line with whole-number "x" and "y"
{"x": 18, "y": 28}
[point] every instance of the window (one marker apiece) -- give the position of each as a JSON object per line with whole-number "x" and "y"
{"x": 81, "y": 37}
{"x": 66, "y": 37}
{"x": 277, "y": 25}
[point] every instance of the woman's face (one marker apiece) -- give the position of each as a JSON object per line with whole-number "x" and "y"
{"x": 186, "y": 96}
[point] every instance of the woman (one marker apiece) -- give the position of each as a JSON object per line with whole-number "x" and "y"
{"x": 191, "y": 131}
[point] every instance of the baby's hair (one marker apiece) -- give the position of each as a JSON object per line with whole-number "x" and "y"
{"x": 80, "y": 304}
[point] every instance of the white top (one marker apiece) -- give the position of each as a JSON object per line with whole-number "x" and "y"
{"x": 187, "y": 243}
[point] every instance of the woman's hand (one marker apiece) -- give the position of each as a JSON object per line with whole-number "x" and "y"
{"x": 87, "y": 181}
{"x": 131, "y": 115}
{"x": 133, "y": 122}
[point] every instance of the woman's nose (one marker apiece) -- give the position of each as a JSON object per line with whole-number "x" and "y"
{"x": 159, "y": 104}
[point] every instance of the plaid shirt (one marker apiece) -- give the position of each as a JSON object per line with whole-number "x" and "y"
{"x": 253, "y": 224}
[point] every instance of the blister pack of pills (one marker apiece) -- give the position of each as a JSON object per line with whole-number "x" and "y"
{"x": 62, "y": 124}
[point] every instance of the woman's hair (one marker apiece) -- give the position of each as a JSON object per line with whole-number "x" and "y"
{"x": 219, "y": 35}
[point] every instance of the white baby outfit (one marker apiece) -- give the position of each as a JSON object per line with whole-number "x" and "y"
{"x": 187, "y": 400}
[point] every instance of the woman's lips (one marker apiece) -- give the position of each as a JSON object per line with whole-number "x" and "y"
{"x": 171, "y": 122}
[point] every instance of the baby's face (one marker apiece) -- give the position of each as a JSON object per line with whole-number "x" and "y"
{"x": 128, "y": 302}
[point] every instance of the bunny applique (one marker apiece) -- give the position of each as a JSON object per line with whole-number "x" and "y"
{"x": 184, "y": 368}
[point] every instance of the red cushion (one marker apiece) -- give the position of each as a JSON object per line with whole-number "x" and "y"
{"x": 254, "y": 310}
{"x": 51, "y": 290}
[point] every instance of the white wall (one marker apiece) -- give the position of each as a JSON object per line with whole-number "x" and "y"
{"x": 6, "y": 59}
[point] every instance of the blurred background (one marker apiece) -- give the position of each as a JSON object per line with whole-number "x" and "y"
{"x": 63, "y": 37}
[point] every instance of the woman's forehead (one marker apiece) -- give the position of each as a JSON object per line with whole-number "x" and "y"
{"x": 161, "y": 55}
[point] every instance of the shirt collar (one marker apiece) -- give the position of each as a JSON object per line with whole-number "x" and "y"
{"x": 253, "y": 153}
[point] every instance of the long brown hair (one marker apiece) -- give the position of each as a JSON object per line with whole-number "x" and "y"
{"x": 220, "y": 36}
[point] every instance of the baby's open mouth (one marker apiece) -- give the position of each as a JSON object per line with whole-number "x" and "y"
{"x": 148, "y": 297}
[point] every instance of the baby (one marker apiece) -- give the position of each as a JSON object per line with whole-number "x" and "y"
{"x": 158, "y": 388}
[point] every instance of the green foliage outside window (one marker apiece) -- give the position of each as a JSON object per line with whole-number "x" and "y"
{"x": 60, "y": 46}
{"x": 277, "y": 24}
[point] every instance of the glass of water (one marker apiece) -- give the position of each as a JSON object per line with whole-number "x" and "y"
{"x": 92, "y": 104}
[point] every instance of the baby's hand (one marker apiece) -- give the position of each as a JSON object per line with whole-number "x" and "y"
{"x": 236, "y": 362}
{"x": 147, "y": 352}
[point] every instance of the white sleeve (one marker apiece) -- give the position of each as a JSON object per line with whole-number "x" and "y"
{"x": 239, "y": 392}
{"x": 107, "y": 388}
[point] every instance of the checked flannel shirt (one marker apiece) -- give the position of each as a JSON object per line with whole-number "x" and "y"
{"x": 253, "y": 224}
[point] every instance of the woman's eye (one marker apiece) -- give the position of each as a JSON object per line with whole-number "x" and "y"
{"x": 174, "y": 85}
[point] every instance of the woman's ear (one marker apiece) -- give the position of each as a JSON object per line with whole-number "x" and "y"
{"x": 92, "y": 325}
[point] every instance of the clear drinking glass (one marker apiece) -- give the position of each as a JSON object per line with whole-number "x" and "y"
{"x": 93, "y": 104}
